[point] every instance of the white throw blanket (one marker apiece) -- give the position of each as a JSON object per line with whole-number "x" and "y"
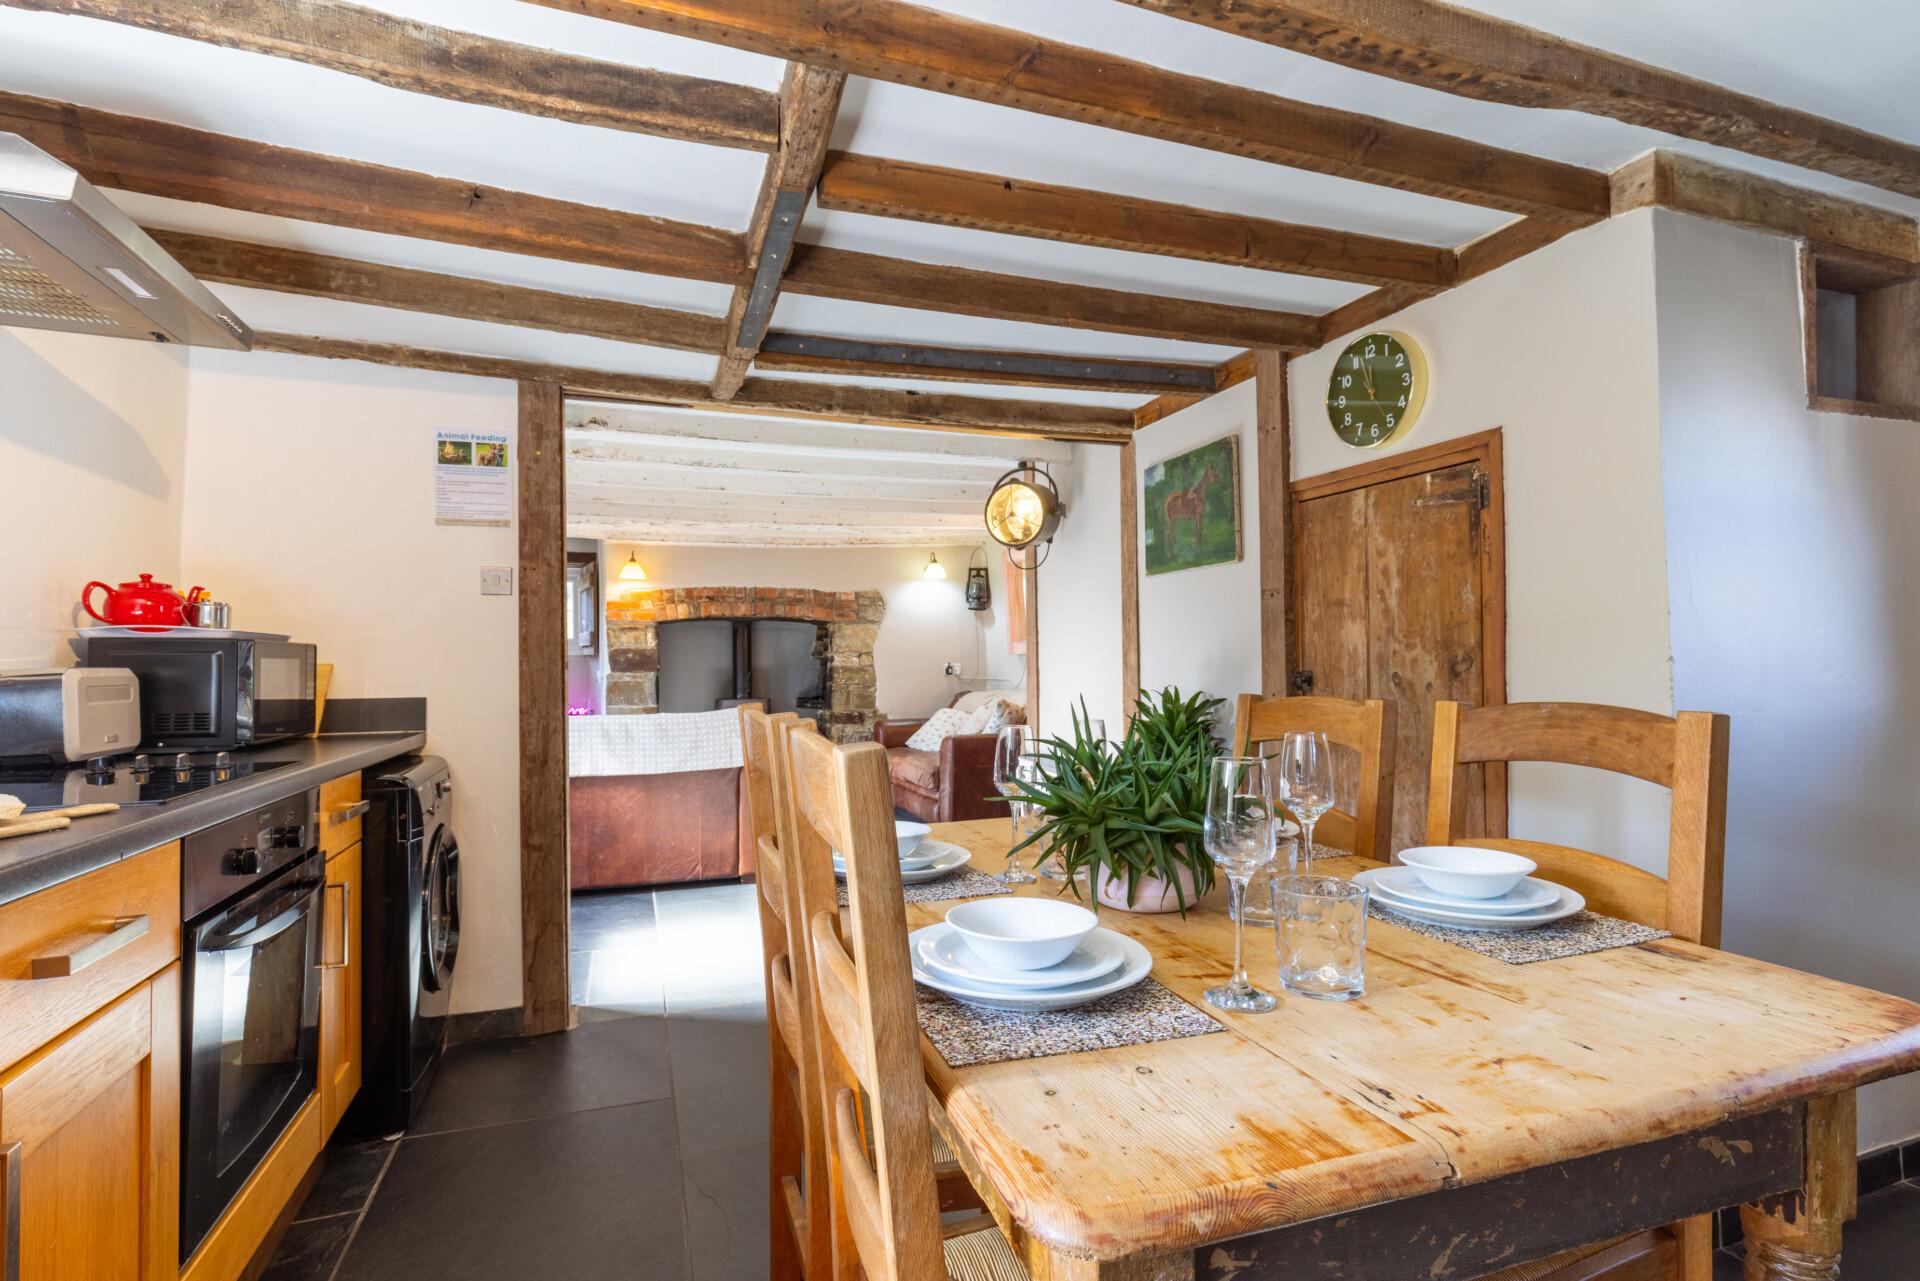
{"x": 661, "y": 743}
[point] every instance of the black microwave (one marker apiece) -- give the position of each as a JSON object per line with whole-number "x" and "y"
{"x": 214, "y": 693}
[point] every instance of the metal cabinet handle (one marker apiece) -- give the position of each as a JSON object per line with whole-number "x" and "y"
{"x": 11, "y": 1156}
{"x": 67, "y": 964}
{"x": 350, "y": 813}
{"x": 346, "y": 929}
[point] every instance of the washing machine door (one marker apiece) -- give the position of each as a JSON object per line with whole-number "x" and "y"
{"x": 440, "y": 916}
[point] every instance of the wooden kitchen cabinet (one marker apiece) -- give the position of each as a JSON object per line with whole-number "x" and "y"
{"x": 90, "y": 1144}
{"x": 340, "y": 988}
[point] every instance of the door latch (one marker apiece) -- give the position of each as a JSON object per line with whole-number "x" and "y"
{"x": 1300, "y": 683}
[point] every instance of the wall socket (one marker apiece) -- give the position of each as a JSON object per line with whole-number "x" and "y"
{"x": 496, "y": 580}
{"x": 953, "y": 669}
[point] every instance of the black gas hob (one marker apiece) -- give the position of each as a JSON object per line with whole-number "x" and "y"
{"x": 143, "y": 779}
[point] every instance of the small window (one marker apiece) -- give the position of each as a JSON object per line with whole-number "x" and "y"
{"x": 583, "y": 603}
{"x": 1862, "y": 315}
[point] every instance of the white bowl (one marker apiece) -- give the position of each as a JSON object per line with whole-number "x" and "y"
{"x": 1021, "y": 933}
{"x": 909, "y": 834}
{"x": 1466, "y": 871}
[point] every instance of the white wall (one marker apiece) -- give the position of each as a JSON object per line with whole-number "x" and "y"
{"x": 93, "y": 435}
{"x": 1793, "y": 546}
{"x": 1200, "y": 628}
{"x": 1079, "y": 595}
{"x": 1558, "y": 350}
{"x": 927, "y": 622}
{"x": 310, "y": 508}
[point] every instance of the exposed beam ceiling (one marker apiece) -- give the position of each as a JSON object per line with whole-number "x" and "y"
{"x": 781, "y": 534}
{"x": 852, "y": 358}
{"x": 724, "y": 437}
{"x": 160, "y": 159}
{"x": 642, "y": 478}
{"x": 457, "y": 65}
{"x": 1475, "y": 55}
{"x": 809, "y": 101}
{"x": 764, "y": 395}
{"x": 588, "y": 504}
{"x": 928, "y": 49}
{"x": 989, "y": 202}
{"x": 294, "y": 271}
{"x": 860, "y": 277}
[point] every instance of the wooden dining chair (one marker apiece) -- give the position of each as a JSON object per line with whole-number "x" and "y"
{"x": 1685, "y": 753}
{"x": 1362, "y": 726}
{"x": 881, "y": 1176}
{"x": 801, "y": 1238}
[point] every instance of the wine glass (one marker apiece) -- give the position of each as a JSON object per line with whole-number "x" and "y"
{"x": 1239, "y": 837}
{"x": 1010, "y": 756}
{"x": 1303, "y": 782}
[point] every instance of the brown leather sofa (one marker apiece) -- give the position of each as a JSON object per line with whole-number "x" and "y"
{"x": 659, "y": 829}
{"x": 947, "y": 786}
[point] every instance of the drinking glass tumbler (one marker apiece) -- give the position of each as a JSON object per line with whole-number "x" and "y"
{"x": 1320, "y": 935}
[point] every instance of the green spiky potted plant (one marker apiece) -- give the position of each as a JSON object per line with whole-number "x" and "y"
{"x": 1131, "y": 816}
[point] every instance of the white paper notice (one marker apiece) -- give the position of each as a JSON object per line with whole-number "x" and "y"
{"x": 472, "y": 482}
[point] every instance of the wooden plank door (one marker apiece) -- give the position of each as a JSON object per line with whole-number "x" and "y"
{"x": 1398, "y": 594}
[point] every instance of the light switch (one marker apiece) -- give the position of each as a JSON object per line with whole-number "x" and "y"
{"x": 496, "y": 580}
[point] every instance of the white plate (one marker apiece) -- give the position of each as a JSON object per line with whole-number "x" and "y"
{"x": 1405, "y": 885}
{"x": 1137, "y": 965}
{"x": 943, "y": 951}
{"x": 1570, "y": 902}
{"x": 946, "y": 858}
{"x": 924, "y": 854}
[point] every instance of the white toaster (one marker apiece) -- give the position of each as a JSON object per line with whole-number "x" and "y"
{"x": 69, "y": 715}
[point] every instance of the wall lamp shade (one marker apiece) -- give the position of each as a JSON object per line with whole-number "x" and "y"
{"x": 1023, "y": 509}
{"x": 631, "y": 571}
{"x": 934, "y": 568}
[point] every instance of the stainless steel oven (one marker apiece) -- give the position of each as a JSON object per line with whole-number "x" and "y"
{"x": 251, "y": 998}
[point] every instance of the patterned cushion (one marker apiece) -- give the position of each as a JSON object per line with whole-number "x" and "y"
{"x": 947, "y": 720}
{"x": 999, "y": 713}
{"x": 982, "y": 1256}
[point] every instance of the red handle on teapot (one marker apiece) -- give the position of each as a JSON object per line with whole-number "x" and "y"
{"x": 86, "y": 599}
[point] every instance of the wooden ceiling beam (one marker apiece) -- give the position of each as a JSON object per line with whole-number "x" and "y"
{"x": 989, "y": 202}
{"x": 159, "y": 159}
{"x": 851, "y": 358}
{"x": 859, "y": 277}
{"x": 1475, "y": 55}
{"x": 785, "y": 398}
{"x": 809, "y": 101}
{"x": 928, "y": 49}
{"x": 295, "y": 271}
{"x": 457, "y": 65}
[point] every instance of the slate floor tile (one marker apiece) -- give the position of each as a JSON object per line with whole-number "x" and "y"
{"x": 727, "y": 1213}
{"x": 596, "y": 1065}
{"x": 617, "y": 919}
{"x": 310, "y": 1248}
{"x": 1726, "y": 1266}
{"x": 720, "y": 1079}
{"x": 346, "y": 1181}
{"x": 626, "y": 978}
{"x": 1883, "y": 1244}
{"x": 589, "y": 1196}
{"x": 709, "y": 941}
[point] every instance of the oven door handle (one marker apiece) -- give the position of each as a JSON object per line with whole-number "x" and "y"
{"x": 281, "y": 918}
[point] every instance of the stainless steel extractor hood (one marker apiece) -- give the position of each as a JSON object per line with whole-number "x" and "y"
{"x": 70, "y": 260}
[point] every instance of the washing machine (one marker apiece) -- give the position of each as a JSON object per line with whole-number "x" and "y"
{"x": 410, "y": 924}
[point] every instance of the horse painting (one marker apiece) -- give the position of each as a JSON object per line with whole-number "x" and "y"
{"x": 1192, "y": 508}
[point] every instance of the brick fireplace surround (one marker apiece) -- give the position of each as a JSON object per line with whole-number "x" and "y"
{"x": 848, "y": 623}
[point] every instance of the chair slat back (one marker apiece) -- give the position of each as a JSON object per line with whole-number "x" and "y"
{"x": 801, "y": 1215}
{"x": 1362, "y": 726}
{"x": 1685, "y": 753}
{"x": 886, "y": 1209}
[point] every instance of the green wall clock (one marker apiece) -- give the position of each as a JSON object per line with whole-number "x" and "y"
{"x": 1377, "y": 389}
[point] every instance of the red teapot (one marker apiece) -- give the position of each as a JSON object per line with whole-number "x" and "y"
{"x": 142, "y": 604}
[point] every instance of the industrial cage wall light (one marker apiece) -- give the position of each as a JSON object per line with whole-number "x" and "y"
{"x": 1023, "y": 511}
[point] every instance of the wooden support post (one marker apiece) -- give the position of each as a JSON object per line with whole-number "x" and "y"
{"x": 1274, "y": 470}
{"x": 1795, "y": 1236}
{"x": 545, "y": 1004}
{"x": 1129, "y": 582}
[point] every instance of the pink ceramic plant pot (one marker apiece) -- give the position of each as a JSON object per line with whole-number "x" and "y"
{"x": 1151, "y": 893}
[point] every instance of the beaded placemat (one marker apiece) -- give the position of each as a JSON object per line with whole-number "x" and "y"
{"x": 965, "y": 882}
{"x": 1579, "y": 934}
{"x": 967, "y": 1036}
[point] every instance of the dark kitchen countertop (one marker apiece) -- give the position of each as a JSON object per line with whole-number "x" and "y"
{"x": 29, "y": 864}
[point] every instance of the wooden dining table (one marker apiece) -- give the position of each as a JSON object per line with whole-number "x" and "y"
{"x": 1463, "y": 1116}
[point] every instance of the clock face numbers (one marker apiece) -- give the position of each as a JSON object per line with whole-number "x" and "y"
{"x": 1376, "y": 390}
